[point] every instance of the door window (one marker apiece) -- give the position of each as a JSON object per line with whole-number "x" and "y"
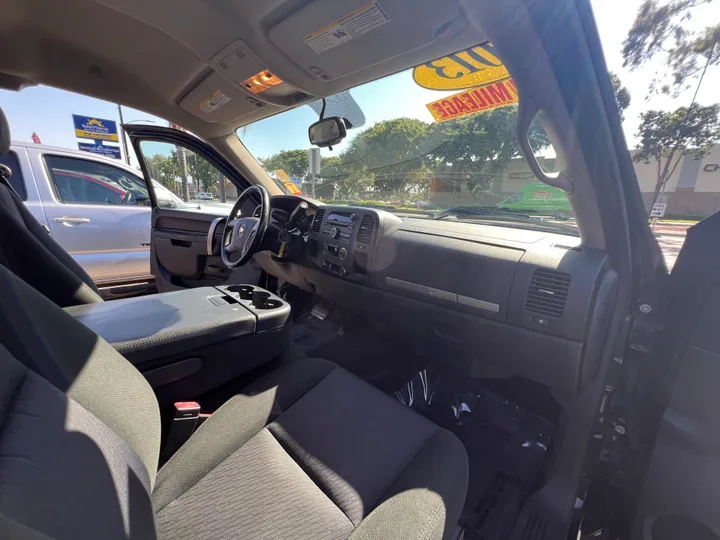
{"x": 184, "y": 180}
{"x": 10, "y": 160}
{"x": 80, "y": 181}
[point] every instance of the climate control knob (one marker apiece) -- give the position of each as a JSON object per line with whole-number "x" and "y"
{"x": 342, "y": 254}
{"x": 324, "y": 249}
{"x": 334, "y": 232}
{"x": 343, "y": 272}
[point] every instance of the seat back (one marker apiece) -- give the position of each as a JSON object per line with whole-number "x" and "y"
{"x": 31, "y": 253}
{"x": 79, "y": 427}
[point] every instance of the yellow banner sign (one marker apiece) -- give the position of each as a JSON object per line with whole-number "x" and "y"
{"x": 473, "y": 101}
{"x": 465, "y": 69}
{"x": 287, "y": 182}
{"x": 95, "y": 135}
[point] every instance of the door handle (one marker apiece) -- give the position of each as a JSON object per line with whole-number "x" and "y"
{"x": 71, "y": 220}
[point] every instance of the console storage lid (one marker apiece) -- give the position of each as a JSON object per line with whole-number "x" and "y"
{"x": 149, "y": 328}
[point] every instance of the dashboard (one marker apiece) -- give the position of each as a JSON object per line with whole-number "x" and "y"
{"x": 534, "y": 302}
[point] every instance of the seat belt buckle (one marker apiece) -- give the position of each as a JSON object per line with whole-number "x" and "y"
{"x": 186, "y": 410}
{"x": 182, "y": 427}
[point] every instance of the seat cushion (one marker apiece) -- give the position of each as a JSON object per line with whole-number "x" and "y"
{"x": 311, "y": 451}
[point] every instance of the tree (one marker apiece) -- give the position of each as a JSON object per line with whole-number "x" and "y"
{"x": 667, "y": 137}
{"x": 661, "y": 28}
{"x": 164, "y": 169}
{"x": 622, "y": 95}
{"x": 394, "y": 152}
{"x": 205, "y": 175}
{"x": 480, "y": 145}
{"x": 294, "y": 162}
{"x": 356, "y": 182}
{"x": 398, "y": 158}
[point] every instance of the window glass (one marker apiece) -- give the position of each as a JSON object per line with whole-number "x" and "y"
{"x": 431, "y": 154}
{"x": 10, "y": 160}
{"x": 183, "y": 180}
{"x": 80, "y": 181}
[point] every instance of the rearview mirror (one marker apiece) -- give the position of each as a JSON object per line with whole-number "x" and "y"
{"x": 327, "y": 132}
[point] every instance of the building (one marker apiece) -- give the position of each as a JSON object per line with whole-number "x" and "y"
{"x": 692, "y": 191}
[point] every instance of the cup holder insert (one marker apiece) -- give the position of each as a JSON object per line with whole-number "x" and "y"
{"x": 245, "y": 291}
{"x": 269, "y": 304}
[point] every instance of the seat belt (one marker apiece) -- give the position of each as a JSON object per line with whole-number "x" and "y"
{"x": 181, "y": 428}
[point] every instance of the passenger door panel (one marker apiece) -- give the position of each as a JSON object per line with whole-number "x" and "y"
{"x": 179, "y": 255}
{"x": 180, "y": 248}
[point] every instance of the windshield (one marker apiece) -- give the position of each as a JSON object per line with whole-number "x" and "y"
{"x": 416, "y": 152}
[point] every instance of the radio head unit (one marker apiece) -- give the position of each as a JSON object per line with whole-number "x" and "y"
{"x": 341, "y": 219}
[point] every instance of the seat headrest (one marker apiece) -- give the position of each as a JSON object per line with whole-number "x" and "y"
{"x": 4, "y": 134}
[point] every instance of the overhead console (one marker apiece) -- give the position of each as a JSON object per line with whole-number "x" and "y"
{"x": 240, "y": 85}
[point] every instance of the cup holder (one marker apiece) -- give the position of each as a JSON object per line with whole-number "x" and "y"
{"x": 269, "y": 304}
{"x": 245, "y": 291}
{"x": 259, "y": 299}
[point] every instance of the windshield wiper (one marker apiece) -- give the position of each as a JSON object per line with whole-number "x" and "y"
{"x": 485, "y": 211}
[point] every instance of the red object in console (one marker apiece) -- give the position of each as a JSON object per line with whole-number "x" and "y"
{"x": 186, "y": 405}
{"x": 186, "y": 409}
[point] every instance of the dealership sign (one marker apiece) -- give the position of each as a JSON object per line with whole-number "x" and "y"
{"x": 89, "y": 127}
{"x": 97, "y": 147}
{"x": 474, "y": 66}
{"x": 474, "y": 100}
{"x": 98, "y": 131}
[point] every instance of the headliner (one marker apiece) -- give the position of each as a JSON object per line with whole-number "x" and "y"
{"x": 152, "y": 55}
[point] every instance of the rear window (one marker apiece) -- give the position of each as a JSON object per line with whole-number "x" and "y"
{"x": 10, "y": 160}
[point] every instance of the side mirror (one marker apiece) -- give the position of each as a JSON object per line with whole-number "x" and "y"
{"x": 327, "y": 132}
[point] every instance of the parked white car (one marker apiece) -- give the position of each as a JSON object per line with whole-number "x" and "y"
{"x": 98, "y": 209}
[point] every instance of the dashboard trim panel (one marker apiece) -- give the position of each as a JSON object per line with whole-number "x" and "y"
{"x": 443, "y": 295}
{"x": 479, "y": 304}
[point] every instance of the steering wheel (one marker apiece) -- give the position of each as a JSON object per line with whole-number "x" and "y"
{"x": 244, "y": 235}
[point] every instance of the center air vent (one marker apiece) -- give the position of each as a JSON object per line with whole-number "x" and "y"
{"x": 317, "y": 222}
{"x": 548, "y": 292}
{"x": 367, "y": 225}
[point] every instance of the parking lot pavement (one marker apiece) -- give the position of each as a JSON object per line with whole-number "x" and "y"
{"x": 671, "y": 237}
{"x": 670, "y": 244}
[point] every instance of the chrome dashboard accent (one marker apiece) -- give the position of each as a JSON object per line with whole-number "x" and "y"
{"x": 443, "y": 295}
{"x": 477, "y": 303}
{"x": 211, "y": 234}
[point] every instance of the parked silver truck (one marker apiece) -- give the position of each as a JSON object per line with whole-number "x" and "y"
{"x": 97, "y": 208}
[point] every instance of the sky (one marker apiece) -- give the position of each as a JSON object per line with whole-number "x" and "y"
{"x": 48, "y": 112}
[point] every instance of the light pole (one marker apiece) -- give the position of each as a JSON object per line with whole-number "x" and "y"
{"x": 124, "y": 141}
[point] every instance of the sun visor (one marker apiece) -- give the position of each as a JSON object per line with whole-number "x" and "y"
{"x": 334, "y": 38}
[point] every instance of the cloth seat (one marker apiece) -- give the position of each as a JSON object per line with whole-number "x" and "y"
{"x": 309, "y": 451}
{"x": 31, "y": 253}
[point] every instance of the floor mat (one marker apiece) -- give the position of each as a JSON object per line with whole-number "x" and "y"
{"x": 308, "y": 332}
{"x": 507, "y": 445}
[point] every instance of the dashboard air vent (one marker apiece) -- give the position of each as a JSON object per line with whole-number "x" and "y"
{"x": 317, "y": 222}
{"x": 548, "y": 292}
{"x": 367, "y": 225}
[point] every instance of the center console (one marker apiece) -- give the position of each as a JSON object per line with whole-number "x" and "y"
{"x": 190, "y": 341}
{"x": 341, "y": 240}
